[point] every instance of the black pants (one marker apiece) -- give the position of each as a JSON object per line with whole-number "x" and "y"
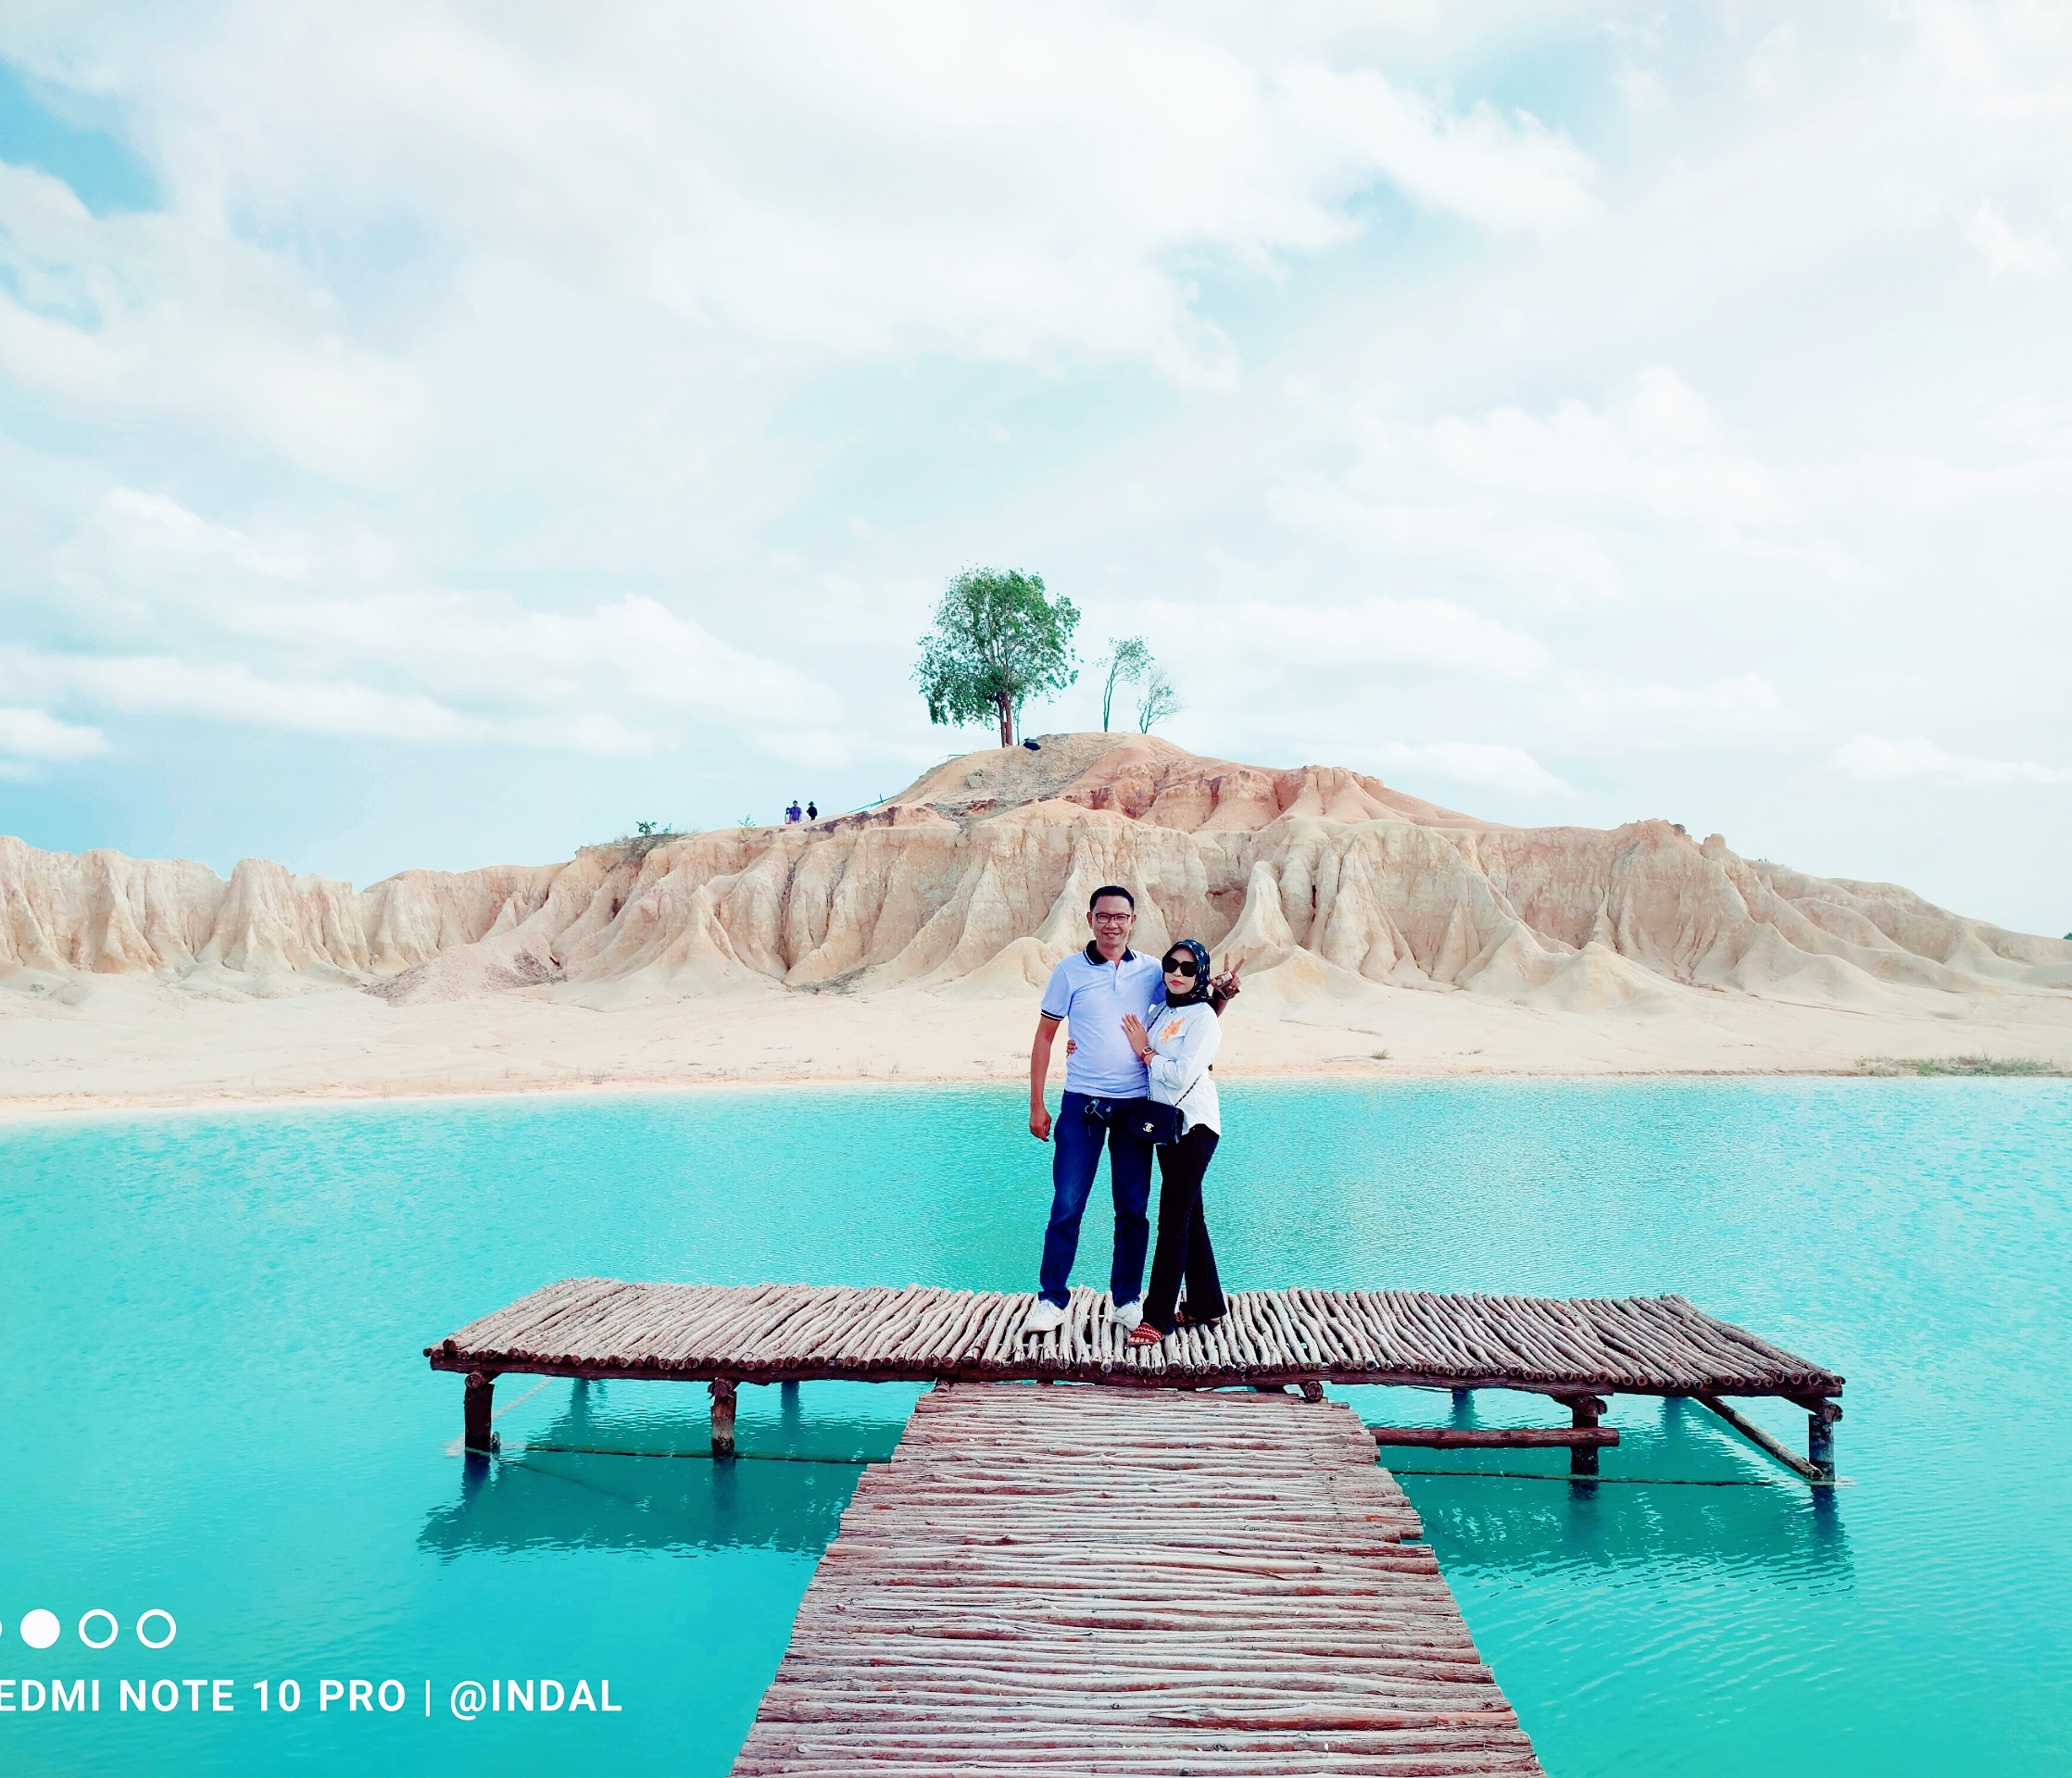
{"x": 1183, "y": 1247}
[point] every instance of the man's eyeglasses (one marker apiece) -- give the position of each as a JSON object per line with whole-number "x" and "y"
{"x": 1114, "y": 920}
{"x": 1180, "y": 966}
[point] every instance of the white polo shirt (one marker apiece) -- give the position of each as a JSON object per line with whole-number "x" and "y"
{"x": 1092, "y": 994}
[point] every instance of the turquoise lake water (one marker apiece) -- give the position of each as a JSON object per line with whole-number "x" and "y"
{"x": 211, "y": 1330}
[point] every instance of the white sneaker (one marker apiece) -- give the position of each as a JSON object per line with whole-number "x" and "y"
{"x": 1130, "y": 1317}
{"x": 1045, "y": 1318}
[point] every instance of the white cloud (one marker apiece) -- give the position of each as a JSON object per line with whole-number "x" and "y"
{"x": 817, "y": 180}
{"x": 1510, "y": 770}
{"x": 1825, "y": 554}
{"x": 1642, "y": 89}
{"x": 36, "y": 734}
{"x": 1511, "y": 175}
{"x": 301, "y": 635}
{"x": 1563, "y": 557}
{"x": 156, "y": 535}
{"x": 2004, "y": 250}
{"x": 1539, "y": 492}
{"x": 1384, "y": 632}
{"x": 1658, "y": 455}
{"x": 2011, "y": 63}
{"x": 2032, "y": 423}
{"x": 138, "y": 315}
{"x": 1660, "y": 451}
{"x": 1743, "y": 698}
{"x": 1869, "y": 757}
{"x": 1915, "y": 484}
{"x": 233, "y": 692}
{"x": 1773, "y": 63}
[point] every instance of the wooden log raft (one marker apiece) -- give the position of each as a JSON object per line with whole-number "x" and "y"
{"x": 601, "y": 1327}
{"x": 1577, "y": 1352}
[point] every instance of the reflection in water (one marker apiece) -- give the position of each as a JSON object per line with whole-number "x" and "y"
{"x": 1475, "y": 1518}
{"x": 576, "y": 1501}
{"x": 640, "y": 1476}
{"x": 1792, "y": 1535}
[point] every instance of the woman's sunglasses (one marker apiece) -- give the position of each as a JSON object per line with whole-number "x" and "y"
{"x": 1180, "y": 966}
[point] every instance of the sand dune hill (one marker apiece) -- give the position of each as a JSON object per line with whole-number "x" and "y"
{"x": 973, "y": 881}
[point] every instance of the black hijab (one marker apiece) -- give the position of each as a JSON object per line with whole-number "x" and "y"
{"x": 1199, "y": 994}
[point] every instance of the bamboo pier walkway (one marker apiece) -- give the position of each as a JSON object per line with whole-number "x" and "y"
{"x": 1577, "y": 1352}
{"x": 1073, "y": 1580}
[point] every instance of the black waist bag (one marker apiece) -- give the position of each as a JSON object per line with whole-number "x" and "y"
{"x": 1148, "y": 1120}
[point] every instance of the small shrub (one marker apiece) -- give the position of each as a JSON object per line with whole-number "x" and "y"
{"x": 1934, "y": 1065}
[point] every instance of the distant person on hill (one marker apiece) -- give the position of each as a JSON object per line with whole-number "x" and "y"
{"x": 1098, "y": 991}
{"x": 1177, "y": 1058}
{"x": 812, "y": 814}
{"x": 791, "y": 814}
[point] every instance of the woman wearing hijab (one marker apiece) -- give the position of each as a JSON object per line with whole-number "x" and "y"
{"x": 1177, "y": 1059}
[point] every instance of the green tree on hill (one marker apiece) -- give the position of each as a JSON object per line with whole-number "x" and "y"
{"x": 999, "y": 639}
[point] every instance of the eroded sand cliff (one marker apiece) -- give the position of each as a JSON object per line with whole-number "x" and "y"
{"x": 973, "y": 882}
{"x": 1383, "y": 935}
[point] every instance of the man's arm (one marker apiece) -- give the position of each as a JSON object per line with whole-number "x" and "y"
{"x": 1039, "y": 1072}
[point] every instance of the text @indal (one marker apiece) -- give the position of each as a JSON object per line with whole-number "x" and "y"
{"x": 466, "y": 1701}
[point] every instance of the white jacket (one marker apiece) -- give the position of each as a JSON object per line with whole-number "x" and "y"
{"x": 1184, "y": 1042}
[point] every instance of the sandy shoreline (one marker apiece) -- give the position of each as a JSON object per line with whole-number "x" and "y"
{"x": 120, "y": 1045}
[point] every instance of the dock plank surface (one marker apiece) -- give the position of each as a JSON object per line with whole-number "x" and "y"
{"x": 784, "y": 1332}
{"x": 1068, "y": 1580}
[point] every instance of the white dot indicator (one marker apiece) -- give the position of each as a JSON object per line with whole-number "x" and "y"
{"x": 39, "y": 1628}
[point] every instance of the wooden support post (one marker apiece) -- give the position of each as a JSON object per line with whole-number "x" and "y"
{"x": 1775, "y": 1447}
{"x": 1312, "y": 1390}
{"x": 475, "y": 1430}
{"x": 1820, "y": 1438}
{"x": 1584, "y": 1411}
{"x": 722, "y": 1416}
{"x": 1462, "y": 1398}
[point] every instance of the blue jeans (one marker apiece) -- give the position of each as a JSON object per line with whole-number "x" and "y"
{"x": 1076, "y": 1140}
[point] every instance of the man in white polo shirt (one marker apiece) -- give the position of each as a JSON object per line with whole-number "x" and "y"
{"x": 1094, "y": 990}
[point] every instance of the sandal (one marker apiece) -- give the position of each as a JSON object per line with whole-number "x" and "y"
{"x": 1144, "y": 1334}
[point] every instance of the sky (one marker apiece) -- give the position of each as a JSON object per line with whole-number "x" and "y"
{"x": 441, "y": 435}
